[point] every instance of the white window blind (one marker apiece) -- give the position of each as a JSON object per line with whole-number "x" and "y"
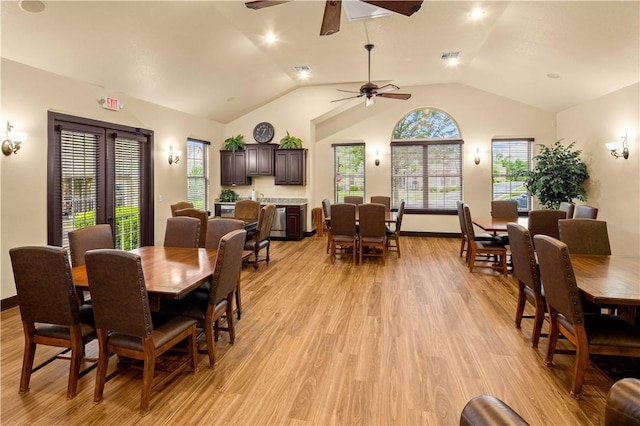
{"x": 510, "y": 158}
{"x": 197, "y": 172}
{"x": 348, "y": 166}
{"x": 128, "y": 192}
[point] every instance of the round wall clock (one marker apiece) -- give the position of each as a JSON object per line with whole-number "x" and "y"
{"x": 263, "y": 132}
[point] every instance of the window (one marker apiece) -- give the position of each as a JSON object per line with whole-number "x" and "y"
{"x": 197, "y": 172}
{"x": 509, "y": 159}
{"x": 426, "y": 162}
{"x": 348, "y": 166}
{"x": 99, "y": 173}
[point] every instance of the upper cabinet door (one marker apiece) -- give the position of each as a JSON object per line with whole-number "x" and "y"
{"x": 290, "y": 167}
{"x": 260, "y": 159}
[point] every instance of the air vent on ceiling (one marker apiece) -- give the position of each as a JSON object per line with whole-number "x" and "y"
{"x": 301, "y": 68}
{"x": 450, "y": 55}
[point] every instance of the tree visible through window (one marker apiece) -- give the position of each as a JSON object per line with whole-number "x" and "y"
{"x": 426, "y": 162}
{"x": 510, "y": 158}
{"x": 197, "y": 182}
{"x": 348, "y": 166}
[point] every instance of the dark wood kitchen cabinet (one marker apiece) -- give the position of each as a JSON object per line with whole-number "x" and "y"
{"x": 233, "y": 168}
{"x": 259, "y": 159}
{"x": 296, "y": 222}
{"x": 290, "y": 166}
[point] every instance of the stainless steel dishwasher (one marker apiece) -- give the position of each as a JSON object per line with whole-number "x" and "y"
{"x": 279, "y": 227}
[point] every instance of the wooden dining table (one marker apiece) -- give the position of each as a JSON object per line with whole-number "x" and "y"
{"x": 169, "y": 272}
{"x": 499, "y": 224}
{"x": 389, "y": 217}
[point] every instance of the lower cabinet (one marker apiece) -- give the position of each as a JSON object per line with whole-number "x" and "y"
{"x": 296, "y": 222}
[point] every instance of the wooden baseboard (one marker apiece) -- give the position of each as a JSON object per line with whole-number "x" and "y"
{"x": 8, "y": 303}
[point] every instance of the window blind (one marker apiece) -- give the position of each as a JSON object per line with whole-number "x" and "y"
{"x": 197, "y": 172}
{"x": 348, "y": 166}
{"x": 510, "y": 158}
{"x": 128, "y": 192}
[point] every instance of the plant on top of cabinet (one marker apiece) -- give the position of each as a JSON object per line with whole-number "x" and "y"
{"x": 228, "y": 195}
{"x": 234, "y": 143}
{"x": 290, "y": 142}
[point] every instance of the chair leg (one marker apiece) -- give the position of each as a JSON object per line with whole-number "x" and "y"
{"x": 28, "y": 357}
{"x": 582, "y": 362}
{"x": 471, "y": 253}
{"x": 268, "y": 247}
{"x": 360, "y": 252}
{"x": 103, "y": 363}
{"x": 147, "y": 376}
{"x": 333, "y": 252}
{"x": 193, "y": 348}
{"x": 553, "y": 337}
{"x": 232, "y": 330}
{"x": 208, "y": 332}
{"x": 398, "y": 244}
{"x": 462, "y": 244}
{"x": 522, "y": 299}
{"x": 256, "y": 250}
{"x": 537, "y": 322}
{"x": 77, "y": 348}
{"x": 238, "y": 304}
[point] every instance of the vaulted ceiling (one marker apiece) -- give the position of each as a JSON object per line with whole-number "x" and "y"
{"x": 209, "y": 58}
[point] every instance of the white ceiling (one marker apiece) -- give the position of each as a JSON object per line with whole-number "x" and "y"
{"x": 208, "y": 58}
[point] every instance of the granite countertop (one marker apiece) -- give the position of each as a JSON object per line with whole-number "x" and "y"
{"x": 277, "y": 201}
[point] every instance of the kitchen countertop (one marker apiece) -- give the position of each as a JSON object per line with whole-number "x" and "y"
{"x": 277, "y": 201}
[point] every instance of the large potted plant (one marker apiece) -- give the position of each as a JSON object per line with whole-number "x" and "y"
{"x": 290, "y": 142}
{"x": 234, "y": 143}
{"x": 557, "y": 176}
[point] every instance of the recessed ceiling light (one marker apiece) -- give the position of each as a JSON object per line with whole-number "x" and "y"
{"x": 450, "y": 57}
{"x": 553, "y": 75}
{"x": 32, "y": 6}
{"x": 303, "y": 71}
{"x": 476, "y": 14}
{"x": 270, "y": 38}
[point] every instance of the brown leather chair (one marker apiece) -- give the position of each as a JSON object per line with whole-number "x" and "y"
{"x": 623, "y": 403}
{"x": 202, "y": 216}
{"x": 483, "y": 236}
{"x": 591, "y": 333}
{"x": 179, "y": 206}
{"x": 568, "y": 209}
{"x": 394, "y": 235}
{"x": 124, "y": 324}
{"x": 487, "y": 410}
{"x": 182, "y": 232}
{"x": 372, "y": 232}
{"x": 208, "y": 309}
{"x": 343, "y": 229}
{"x": 51, "y": 314}
{"x": 585, "y": 236}
{"x": 492, "y": 248}
{"x": 504, "y": 208}
{"x": 89, "y": 238}
{"x": 586, "y": 212}
{"x": 545, "y": 222}
{"x": 326, "y": 208}
{"x": 318, "y": 220}
{"x": 247, "y": 209}
{"x": 382, "y": 199}
{"x": 260, "y": 238}
{"x": 354, "y": 199}
{"x": 527, "y": 273}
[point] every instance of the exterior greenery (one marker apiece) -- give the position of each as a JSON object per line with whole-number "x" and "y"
{"x": 234, "y": 143}
{"x": 290, "y": 142}
{"x": 558, "y": 175}
{"x": 126, "y": 227}
{"x": 422, "y": 124}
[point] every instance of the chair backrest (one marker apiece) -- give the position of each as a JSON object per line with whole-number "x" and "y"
{"x": 585, "y": 236}
{"x": 504, "y": 208}
{"x": 371, "y": 218}
{"x": 400, "y": 216}
{"x": 89, "y": 238}
{"x": 545, "y": 222}
{"x": 556, "y": 273}
{"x": 468, "y": 222}
{"x": 523, "y": 258}
{"x": 118, "y": 292}
{"x": 623, "y": 403}
{"x": 354, "y": 199}
{"x": 247, "y": 209}
{"x": 228, "y": 265}
{"x": 179, "y": 206}
{"x": 182, "y": 232}
{"x": 44, "y": 285}
{"x": 219, "y": 227}
{"x": 382, "y": 199}
{"x": 586, "y": 212}
{"x": 460, "y": 209}
{"x": 343, "y": 219}
{"x": 326, "y": 207}
{"x": 267, "y": 213}
{"x": 202, "y": 216}
{"x": 568, "y": 208}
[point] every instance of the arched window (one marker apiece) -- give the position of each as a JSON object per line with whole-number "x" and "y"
{"x": 426, "y": 162}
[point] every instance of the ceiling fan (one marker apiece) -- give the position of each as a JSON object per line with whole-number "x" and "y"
{"x": 371, "y": 90}
{"x": 333, "y": 8}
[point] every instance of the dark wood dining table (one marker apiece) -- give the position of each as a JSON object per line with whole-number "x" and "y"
{"x": 499, "y": 224}
{"x": 389, "y": 217}
{"x": 169, "y": 272}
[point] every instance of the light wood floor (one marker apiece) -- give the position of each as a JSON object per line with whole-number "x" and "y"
{"x": 403, "y": 344}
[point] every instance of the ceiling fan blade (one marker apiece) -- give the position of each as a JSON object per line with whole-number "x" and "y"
{"x": 403, "y": 96}
{"x": 344, "y": 99}
{"x": 387, "y": 88}
{"x": 263, "y": 3}
{"x": 406, "y": 8}
{"x": 331, "y": 18}
{"x": 370, "y": 101}
{"x": 347, "y": 91}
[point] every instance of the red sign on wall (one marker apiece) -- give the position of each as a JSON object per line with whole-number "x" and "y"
{"x": 111, "y": 103}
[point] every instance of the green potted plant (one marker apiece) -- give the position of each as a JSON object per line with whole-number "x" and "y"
{"x": 228, "y": 195}
{"x": 557, "y": 176}
{"x": 290, "y": 142}
{"x": 234, "y": 143}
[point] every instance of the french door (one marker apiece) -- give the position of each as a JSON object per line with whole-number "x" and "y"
{"x": 99, "y": 173}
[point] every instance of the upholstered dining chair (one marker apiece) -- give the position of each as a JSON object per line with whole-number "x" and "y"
{"x": 208, "y": 309}
{"x": 544, "y": 222}
{"x": 492, "y": 248}
{"x": 527, "y": 273}
{"x": 479, "y": 236}
{"x": 623, "y": 403}
{"x": 124, "y": 324}
{"x": 89, "y": 238}
{"x": 51, "y": 314}
{"x": 487, "y": 410}
{"x": 326, "y": 208}
{"x": 260, "y": 239}
{"x": 318, "y": 220}
{"x": 586, "y": 212}
{"x": 354, "y": 199}
{"x": 202, "y": 216}
{"x": 343, "y": 229}
{"x": 247, "y": 209}
{"x": 590, "y": 333}
{"x": 382, "y": 199}
{"x": 504, "y": 208}
{"x": 585, "y": 236}
{"x": 393, "y": 236}
{"x": 568, "y": 208}
{"x": 372, "y": 232}
{"x": 182, "y": 232}
{"x": 179, "y": 206}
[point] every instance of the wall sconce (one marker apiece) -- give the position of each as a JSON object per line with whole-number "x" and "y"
{"x": 174, "y": 156}
{"x": 11, "y": 145}
{"x": 613, "y": 147}
{"x": 377, "y": 160}
{"x": 477, "y": 157}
